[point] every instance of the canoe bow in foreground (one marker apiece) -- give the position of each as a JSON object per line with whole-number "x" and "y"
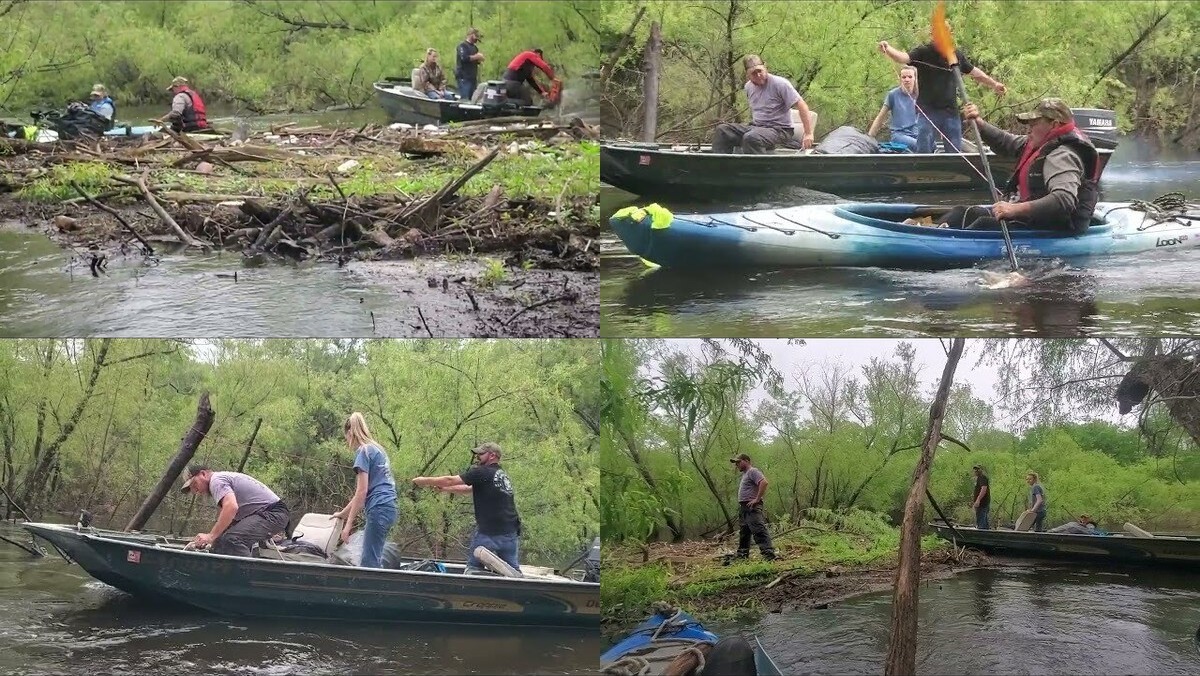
{"x": 231, "y": 585}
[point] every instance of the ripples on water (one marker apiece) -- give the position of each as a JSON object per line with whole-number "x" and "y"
{"x": 1157, "y": 292}
{"x": 54, "y": 619}
{"x": 1031, "y": 621}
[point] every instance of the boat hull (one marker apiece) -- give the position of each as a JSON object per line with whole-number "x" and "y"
{"x": 403, "y": 104}
{"x": 838, "y": 236}
{"x": 656, "y": 171}
{"x": 1154, "y": 551}
{"x": 229, "y": 585}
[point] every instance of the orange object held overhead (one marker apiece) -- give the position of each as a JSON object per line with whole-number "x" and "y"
{"x": 943, "y": 41}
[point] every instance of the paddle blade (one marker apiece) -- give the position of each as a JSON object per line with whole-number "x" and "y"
{"x": 943, "y": 41}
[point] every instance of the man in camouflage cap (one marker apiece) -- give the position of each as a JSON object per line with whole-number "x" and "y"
{"x": 1055, "y": 185}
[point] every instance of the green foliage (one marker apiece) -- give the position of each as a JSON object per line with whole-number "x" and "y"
{"x": 1037, "y": 49}
{"x": 426, "y": 402}
{"x": 55, "y": 186}
{"x": 494, "y": 274}
{"x": 256, "y": 53}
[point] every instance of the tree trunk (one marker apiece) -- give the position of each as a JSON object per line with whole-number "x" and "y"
{"x": 249, "y": 445}
{"x": 730, "y": 69}
{"x": 902, "y": 641}
{"x": 653, "y": 61}
{"x": 606, "y": 70}
{"x": 187, "y": 448}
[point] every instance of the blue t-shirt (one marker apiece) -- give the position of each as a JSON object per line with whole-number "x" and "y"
{"x": 381, "y": 488}
{"x": 904, "y": 111}
{"x": 1034, "y": 491}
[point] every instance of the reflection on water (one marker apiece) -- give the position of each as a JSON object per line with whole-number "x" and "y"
{"x": 1026, "y": 621}
{"x": 54, "y": 618}
{"x": 1155, "y": 292}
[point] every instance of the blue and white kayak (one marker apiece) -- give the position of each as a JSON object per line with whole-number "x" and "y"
{"x": 874, "y": 235}
{"x": 654, "y": 645}
{"x": 133, "y": 130}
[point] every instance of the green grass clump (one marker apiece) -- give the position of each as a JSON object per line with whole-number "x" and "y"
{"x": 55, "y": 186}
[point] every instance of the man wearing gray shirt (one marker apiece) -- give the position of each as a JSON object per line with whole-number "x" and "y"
{"x": 771, "y": 101}
{"x": 249, "y": 511}
{"x": 750, "y": 512}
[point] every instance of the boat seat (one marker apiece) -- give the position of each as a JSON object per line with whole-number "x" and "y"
{"x": 321, "y": 530}
{"x": 1133, "y": 530}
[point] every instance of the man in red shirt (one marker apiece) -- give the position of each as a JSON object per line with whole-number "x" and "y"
{"x": 519, "y": 74}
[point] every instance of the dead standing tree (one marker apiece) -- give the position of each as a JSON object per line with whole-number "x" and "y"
{"x": 902, "y": 641}
{"x": 187, "y": 449}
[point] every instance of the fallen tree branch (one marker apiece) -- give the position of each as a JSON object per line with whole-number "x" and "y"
{"x": 162, "y": 213}
{"x": 113, "y": 212}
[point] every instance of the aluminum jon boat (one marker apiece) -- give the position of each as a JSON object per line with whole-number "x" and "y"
{"x": 1134, "y": 546}
{"x": 874, "y": 235}
{"x": 666, "y": 636}
{"x": 162, "y": 569}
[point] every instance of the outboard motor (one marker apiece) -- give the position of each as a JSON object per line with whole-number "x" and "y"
{"x": 592, "y": 564}
{"x": 495, "y": 94}
{"x": 1098, "y": 124}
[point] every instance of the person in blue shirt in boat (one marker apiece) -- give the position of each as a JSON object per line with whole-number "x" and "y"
{"x": 901, "y": 104}
{"x": 466, "y": 64}
{"x": 1056, "y": 183}
{"x": 102, "y": 105}
{"x": 771, "y": 101}
{"x": 497, "y": 523}
{"x": 249, "y": 511}
{"x": 431, "y": 79}
{"x": 1037, "y": 501}
{"x": 374, "y": 491}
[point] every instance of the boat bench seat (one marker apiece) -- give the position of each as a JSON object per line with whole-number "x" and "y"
{"x": 321, "y": 530}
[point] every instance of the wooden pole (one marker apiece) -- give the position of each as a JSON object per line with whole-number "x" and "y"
{"x": 187, "y": 448}
{"x": 902, "y": 641}
{"x": 653, "y": 61}
{"x": 249, "y": 445}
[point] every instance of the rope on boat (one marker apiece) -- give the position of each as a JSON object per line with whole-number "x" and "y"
{"x": 629, "y": 666}
{"x": 1168, "y": 207}
{"x": 830, "y": 235}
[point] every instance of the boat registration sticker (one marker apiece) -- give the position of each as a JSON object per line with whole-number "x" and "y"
{"x": 644, "y": 160}
{"x": 134, "y": 556}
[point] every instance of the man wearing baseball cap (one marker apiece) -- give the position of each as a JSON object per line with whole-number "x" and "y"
{"x": 1055, "y": 185}
{"x": 750, "y": 512}
{"x": 497, "y": 524}
{"x": 466, "y": 66}
{"x": 188, "y": 112}
{"x": 249, "y": 511}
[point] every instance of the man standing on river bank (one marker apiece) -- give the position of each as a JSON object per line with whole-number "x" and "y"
{"x": 982, "y": 498}
{"x": 750, "y": 511}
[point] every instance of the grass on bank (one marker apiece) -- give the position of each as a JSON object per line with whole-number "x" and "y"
{"x": 542, "y": 172}
{"x": 821, "y": 540}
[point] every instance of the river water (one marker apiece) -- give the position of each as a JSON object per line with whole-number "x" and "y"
{"x": 1155, "y": 293}
{"x": 55, "y": 618}
{"x": 1034, "y": 620}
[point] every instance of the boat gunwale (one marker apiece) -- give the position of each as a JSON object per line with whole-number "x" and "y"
{"x": 943, "y": 528}
{"x": 698, "y": 150}
{"x": 84, "y": 536}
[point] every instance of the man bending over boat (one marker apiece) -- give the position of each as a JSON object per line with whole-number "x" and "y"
{"x": 1056, "y": 183}
{"x": 249, "y": 511}
{"x": 518, "y": 76}
{"x": 771, "y": 100}
{"x": 497, "y": 524}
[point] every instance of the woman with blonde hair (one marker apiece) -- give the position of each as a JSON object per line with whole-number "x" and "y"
{"x": 374, "y": 491}
{"x": 432, "y": 79}
{"x": 901, "y": 104}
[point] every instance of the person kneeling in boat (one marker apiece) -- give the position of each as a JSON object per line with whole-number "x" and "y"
{"x": 901, "y": 104}
{"x": 1056, "y": 183}
{"x": 431, "y": 79}
{"x": 518, "y": 76}
{"x": 249, "y": 511}
{"x": 497, "y": 524}
{"x": 1084, "y": 526}
{"x": 771, "y": 99}
{"x": 187, "y": 108}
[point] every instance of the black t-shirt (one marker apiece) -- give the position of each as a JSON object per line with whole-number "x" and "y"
{"x": 980, "y": 482}
{"x": 936, "y": 89}
{"x": 464, "y": 66}
{"x": 495, "y": 509}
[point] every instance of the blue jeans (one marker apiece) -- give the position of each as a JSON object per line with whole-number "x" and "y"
{"x": 466, "y": 89}
{"x": 1038, "y": 520}
{"x": 504, "y": 546}
{"x": 438, "y": 95}
{"x": 981, "y": 517}
{"x": 380, "y": 518}
{"x": 904, "y": 139}
{"x": 948, "y": 121}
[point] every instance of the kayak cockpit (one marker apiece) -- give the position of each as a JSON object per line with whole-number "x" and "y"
{"x": 922, "y": 219}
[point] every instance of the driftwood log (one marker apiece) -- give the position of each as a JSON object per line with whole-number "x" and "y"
{"x": 187, "y": 449}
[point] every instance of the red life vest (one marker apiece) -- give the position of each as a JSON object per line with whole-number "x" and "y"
{"x": 195, "y": 117}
